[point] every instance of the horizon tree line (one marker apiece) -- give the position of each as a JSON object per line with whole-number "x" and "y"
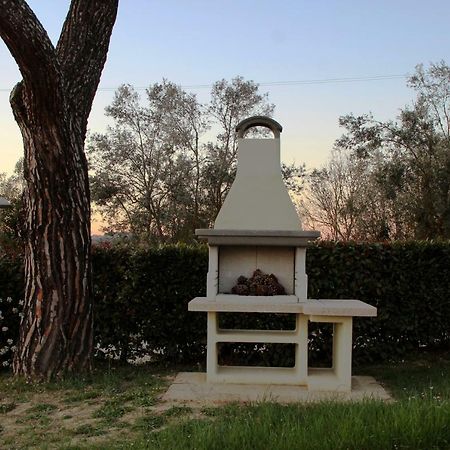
{"x": 165, "y": 165}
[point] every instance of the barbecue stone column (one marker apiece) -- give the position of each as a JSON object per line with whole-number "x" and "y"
{"x": 212, "y": 284}
{"x": 301, "y": 279}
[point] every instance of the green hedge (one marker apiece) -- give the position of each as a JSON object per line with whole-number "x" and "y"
{"x": 141, "y": 298}
{"x": 142, "y": 295}
{"x": 409, "y": 283}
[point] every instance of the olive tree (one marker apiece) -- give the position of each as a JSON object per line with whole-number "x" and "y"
{"x": 401, "y": 188}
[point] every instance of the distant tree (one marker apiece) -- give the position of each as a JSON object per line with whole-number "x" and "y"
{"x": 11, "y": 222}
{"x": 152, "y": 173}
{"x": 294, "y": 178}
{"x": 404, "y": 179}
{"x": 334, "y": 198}
{"x": 147, "y": 166}
{"x": 51, "y": 106}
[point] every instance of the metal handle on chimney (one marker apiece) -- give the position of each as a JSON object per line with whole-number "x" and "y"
{"x": 259, "y": 121}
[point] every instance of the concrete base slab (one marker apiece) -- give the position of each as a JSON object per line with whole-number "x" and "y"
{"x": 191, "y": 387}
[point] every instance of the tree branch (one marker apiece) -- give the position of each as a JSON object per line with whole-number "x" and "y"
{"x": 32, "y": 49}
{"x": 82, "y": 50}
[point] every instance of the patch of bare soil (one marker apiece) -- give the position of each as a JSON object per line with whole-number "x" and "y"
{"x": 64, "y": 423}
{"x": 59, "y": 418}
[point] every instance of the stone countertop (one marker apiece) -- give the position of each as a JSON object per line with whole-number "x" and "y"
{"x": 283, "y": 304}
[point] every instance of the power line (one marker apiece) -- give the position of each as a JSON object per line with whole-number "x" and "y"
{"x": 290, "y": 82}
{"x": 276, "y": 83}
{"x": 334, "y": 80}
{"x": 317, "y": 81}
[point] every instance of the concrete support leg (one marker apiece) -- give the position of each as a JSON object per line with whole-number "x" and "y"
{"x": 339, "y": 377}
{"x": 342, "y": 352}
{"x": 301, "y": 349}
{"x": 211, "y": 351}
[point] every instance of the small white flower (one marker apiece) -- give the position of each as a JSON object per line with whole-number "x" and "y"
{"x": 21, "y": 302}
{"x": 5, "y": 363}
{"x": 13, "y": 348}
{"x": 4, "y": 329}
{"x": 15, "y": 310}
{"x": 9, "y": 299}
{"x": 9, "y": 341}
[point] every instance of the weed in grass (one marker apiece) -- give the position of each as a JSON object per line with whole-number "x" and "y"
{"x": 82, "y": 396}
{"x": 36, "y": 418}
{"x": 42, "y": 408}
{"x": 142, "y": 395}
{"x": 119, "y": 425}
{"x": 211, "y": 411}
{"x": 38, "y": 412}
{"x": 149, "y": 423}
{"x": 112, "y": 410}
{"x": 7, "y": 407}
{"x": 178, "y": 411}
{"x": 143, "y": 398}
{"x": 123, "y": 397}
{"x": 37, "y": 436}
{"x": 88, "y": 430}
{"x": 230, "y": 409}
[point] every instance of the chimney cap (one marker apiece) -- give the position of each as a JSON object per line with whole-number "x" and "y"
{"x": 259, "y": 121}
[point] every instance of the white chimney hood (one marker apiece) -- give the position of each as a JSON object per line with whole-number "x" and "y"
{"x": 258, "y": 209}
{"x": 258, "y": 198}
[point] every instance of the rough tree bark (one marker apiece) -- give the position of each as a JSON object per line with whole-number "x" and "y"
{"x": 51, "y": 106}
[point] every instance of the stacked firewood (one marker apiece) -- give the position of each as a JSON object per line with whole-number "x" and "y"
{"x": 259, "y": 283}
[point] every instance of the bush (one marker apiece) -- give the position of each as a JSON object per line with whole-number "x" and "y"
{"x": 409, "y": 283}
{"x": 141, "y": 297}
{"x": 11, "y": 294}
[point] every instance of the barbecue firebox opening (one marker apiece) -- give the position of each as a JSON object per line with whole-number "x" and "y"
{"x": 259, "y": 283}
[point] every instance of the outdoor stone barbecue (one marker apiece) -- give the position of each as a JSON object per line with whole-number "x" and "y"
{"x": 258, "y": 229}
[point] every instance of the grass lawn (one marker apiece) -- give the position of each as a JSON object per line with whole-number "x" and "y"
{"x": 119, "y": 408}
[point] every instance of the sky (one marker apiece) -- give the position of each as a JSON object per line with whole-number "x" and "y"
{"x": 197, "y": 42}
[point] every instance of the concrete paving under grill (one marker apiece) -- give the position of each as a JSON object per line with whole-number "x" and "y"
{"x": 191, "y": 387}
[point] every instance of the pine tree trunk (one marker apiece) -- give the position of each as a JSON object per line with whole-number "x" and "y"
{"x": 56, "y": 332}
{"x": 51, "y": 106}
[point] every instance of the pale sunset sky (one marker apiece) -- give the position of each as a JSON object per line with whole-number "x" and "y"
{"x": 194, "y": 43}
